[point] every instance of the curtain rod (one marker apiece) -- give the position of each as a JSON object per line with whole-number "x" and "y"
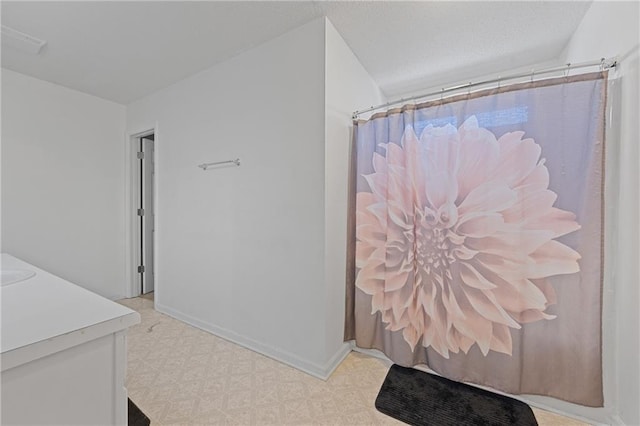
{"x": 603, "y": 63}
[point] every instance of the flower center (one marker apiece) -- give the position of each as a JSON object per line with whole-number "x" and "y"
{"x": 433, "y": 245}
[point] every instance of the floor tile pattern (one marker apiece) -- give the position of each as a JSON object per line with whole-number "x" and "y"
{"x": 180, "y": 375}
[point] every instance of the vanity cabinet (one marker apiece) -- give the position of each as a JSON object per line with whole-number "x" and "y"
{"x": 63, "y": 352}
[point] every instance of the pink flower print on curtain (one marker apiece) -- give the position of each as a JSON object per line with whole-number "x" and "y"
{"x": 457, "y": 237}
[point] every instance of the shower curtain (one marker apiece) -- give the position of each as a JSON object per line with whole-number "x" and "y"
{"x": 476, "y": 226}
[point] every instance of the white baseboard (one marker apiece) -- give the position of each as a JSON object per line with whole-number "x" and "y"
{"x": 116, "y": 297}
{"x": 320, "y": 371}
{"x": 617, "y": 421}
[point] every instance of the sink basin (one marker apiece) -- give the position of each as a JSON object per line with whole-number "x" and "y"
{"x": 12, "y": 276}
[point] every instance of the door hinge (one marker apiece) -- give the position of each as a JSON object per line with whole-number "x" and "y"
{"x": 141, "y": 268}
{"x": 140, "y": 212}
{"x": 140, "y": 155}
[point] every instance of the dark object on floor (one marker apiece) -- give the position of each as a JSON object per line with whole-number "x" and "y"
{"x": 423, "y": 399}
{"x": 136, "y": 416}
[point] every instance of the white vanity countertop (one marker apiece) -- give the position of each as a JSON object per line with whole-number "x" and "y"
{"x": 44, "y": 308}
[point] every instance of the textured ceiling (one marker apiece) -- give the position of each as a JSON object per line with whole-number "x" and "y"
{"x": 123, "y": 51}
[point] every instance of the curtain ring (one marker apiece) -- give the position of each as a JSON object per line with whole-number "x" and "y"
{"x": 532, "y": 72}
{"x": 568, "y": 69}
{"x": 601, "y": 64}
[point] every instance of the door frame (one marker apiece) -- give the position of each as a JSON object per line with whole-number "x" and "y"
{"x": 132, "y": 198}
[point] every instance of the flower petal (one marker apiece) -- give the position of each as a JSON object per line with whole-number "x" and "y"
{"x": 501, "y": 339}
{"x": 489, "y": 197}
{"x": 513, "y": 246}
{"x": 518, "y": 158}
{"x": 478, "y": 156}
{"x": 379, "y": 163}
{"x": 411, "y": 336}
{"x": 560, "y": 222}
{"x": 471, "y": 277}
{"x": 553, "y": 258}
{"x": 531, "y": 315}
{"x": 485, "y": 305}
{"x": 480, "y": 224}
{"x": 378, "y": 183}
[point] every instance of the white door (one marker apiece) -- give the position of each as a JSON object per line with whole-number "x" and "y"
{"x": 147, "y": 213}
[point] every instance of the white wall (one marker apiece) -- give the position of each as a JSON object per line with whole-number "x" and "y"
{"x": 348, "y": 87}
{"x": 62, "y": 182}
{"x": 240, "y": 250}
{"x": 256, "y": 253}
{"x": 613, "y": 29}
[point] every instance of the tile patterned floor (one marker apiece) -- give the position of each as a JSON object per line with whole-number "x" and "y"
{"x": 180, "y": 375}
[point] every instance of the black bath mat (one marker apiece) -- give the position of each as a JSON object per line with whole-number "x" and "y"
{"x": 423, "y": 399}
{"x": 136, "y": 416}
